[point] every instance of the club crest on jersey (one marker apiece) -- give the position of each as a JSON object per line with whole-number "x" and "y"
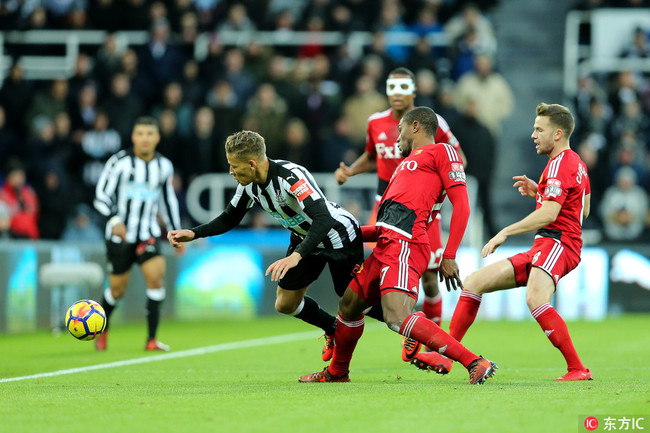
{"x": 279, "y": 197}
{"x": 553, "y": 188}
{"x": 301, "y": 190}
{"x": 457, "y": 173}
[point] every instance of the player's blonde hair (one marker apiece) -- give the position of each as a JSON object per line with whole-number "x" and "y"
{"x": 246, "y": 145}
{"x": 559, "y": 115}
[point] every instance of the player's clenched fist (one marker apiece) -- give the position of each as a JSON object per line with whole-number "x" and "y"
{"x": 342, "y": 174}
{"x": 175, "y": 237}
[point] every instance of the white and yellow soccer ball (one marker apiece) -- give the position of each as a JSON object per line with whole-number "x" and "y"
{"x": 85, "y": 319}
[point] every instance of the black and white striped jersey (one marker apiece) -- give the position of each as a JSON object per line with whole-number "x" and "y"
{"x": 290, "y": 194}
{"x": 135, "y": 192}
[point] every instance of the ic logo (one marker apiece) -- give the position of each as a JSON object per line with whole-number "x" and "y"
{"x": 591, "y": 423}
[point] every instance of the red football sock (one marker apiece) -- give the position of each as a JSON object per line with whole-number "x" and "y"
{"x": 420, "y": 328}
{"x": 432, "y": 307}
{"x": 464, "y": 314}
{"x": 346, "y": 336}
{"x": 556, "y": 330}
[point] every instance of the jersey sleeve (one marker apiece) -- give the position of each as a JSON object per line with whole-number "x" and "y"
{"x": 168, "y": 205}
{"x": 444, "y": 134}
{"x": 449, "y": 166}
{"x": 106, "y": 188}
{"x": 241, "y": 200}
{"x": 303, "y": 188}
{"x": 229, "y": 218}
{"x": 370, "y": 144}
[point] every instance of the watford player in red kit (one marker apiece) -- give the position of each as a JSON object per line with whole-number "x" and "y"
{"x": 563, "y": 199}
{"x": 390, "y": 276}
{"x": 383, "y": 155}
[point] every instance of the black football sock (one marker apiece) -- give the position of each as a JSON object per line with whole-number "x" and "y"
{"x": 108, "y": 304}
{"x": 155, "y": 297}
{"x": 310, "y": 312}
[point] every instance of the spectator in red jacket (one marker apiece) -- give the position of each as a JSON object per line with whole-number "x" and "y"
{"x": 22, "y": 202}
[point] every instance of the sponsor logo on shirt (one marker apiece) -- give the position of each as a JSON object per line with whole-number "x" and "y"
{"x": 457, "y": 173}
{"x": 388, "y": 151}
{"x": 288, "y": 222}
{"x": 553, "y": 188}
{"x": 141, "y": 191}
{"x": 301, "y": 189}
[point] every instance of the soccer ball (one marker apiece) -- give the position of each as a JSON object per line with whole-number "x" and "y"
{"x": 85, "y": 319}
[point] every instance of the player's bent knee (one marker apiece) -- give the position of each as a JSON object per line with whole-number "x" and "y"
{"x": 475, "y": 283}
{"x": 155, "y": 282}
{"x": 118, "y": 292}
{"x": 393, "y": 320}
{"x": 534, "y": 299}
{"x": 284, "y": 307}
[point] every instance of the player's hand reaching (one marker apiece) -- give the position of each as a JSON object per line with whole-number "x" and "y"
{"x": 279, "y": 268}
{"x": 493, "y": 244}
{"x": 449, "y": 272}
{"x": 176, "y": 237}
{"x": 342, "y": 174}
{"x": 525, "y": 186}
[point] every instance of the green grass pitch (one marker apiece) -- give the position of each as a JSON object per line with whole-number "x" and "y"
{"x": 254, "y": 389}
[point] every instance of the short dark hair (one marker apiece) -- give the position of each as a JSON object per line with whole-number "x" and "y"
{"x": 146, "y": 120}
{"x": 402, "y": 71}
{"x": 245, "y": 144}
{"x": 425, "y": 116}
{"x": 559, "y": 115}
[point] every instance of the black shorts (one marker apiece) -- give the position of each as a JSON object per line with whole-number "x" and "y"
{"x": 342, "y": 264}
{"x": 123, "y": 255}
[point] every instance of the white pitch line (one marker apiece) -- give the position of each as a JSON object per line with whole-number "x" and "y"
{"x": 265, "y": 341}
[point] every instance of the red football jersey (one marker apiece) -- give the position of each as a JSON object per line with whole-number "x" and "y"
{"x": 381, "y": 140}
{"x": 565, "y": 180}
{"x": 416, "y": 191}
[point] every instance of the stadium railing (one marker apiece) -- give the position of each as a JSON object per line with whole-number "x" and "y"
{"x": 51, "y": 67}
{"x": 599, "y": 54}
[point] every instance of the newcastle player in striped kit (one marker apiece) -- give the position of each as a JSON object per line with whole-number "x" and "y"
{"x": 134, "y": 188}
{"x": 321, "y": 231}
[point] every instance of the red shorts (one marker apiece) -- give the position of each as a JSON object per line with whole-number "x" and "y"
{"x": 394, "y": 266}
{"x": 547, "y": 254}
{"x": 436, "y": 244}
{"x": 435, "y": 240}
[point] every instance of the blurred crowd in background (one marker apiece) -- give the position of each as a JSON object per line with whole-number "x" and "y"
{"x": 310, "y": 102}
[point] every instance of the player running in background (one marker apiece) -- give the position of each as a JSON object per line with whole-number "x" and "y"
{"x": 563, "y": 198}
{"x": 322, "y": 232}
{"x": 390, "y": 276}
{"x": 133, "y": 187}
{"x": 383, "y": 155}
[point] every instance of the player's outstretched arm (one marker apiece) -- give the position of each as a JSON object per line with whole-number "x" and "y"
{"x": 370, "y": 233}
{"x": 537, "y": 219}
{"x": 525, "y": 186}
{"x": 177, "y": 237}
